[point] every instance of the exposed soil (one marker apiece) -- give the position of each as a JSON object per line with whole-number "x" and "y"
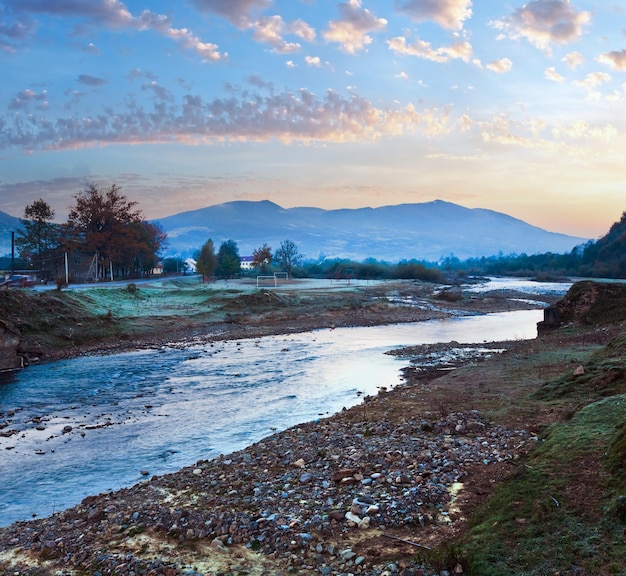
{"x": 192, "y": 522}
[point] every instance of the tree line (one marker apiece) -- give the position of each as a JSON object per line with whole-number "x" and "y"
{"x": 102, "y": 223}
{"x": 226, "y": 263}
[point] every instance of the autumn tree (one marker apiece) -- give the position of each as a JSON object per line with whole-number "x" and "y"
{"x": 228, "y": 262}
{"x": 288, "y": 256}
{"x": 206, "y": 260}
{"x": 106, "y": 223}
{"x": 262, "y": 257}
{"x": 39, "y": 236}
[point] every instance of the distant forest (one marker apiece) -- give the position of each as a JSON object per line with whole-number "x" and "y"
{"x": 603, "y": 258}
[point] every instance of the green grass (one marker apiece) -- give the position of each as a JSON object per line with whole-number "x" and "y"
{"x": 563, "y": 510}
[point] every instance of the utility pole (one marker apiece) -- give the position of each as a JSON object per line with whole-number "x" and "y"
{"x": 12, "y": 253}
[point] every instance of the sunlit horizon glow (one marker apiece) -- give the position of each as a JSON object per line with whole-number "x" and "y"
{"x": 518, "y": 108}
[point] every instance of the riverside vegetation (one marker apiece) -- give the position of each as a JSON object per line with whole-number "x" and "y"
{"x": 512, "y": 463}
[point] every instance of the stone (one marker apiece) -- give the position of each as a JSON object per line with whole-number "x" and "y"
{"x": 350, "y": 517}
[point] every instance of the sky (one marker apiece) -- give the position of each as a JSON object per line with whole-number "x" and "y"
{"x": 511, "y": 106}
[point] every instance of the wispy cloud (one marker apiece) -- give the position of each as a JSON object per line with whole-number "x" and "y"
{"x": 423, "y": 49}
{"x": 89, "y": 80}
{"x": 500, "y": 66}
{"x": 552, "y": 74}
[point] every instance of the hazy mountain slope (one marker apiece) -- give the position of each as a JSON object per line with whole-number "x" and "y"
{"x": 423, "y": 231}
{"x": 7, "y": 224}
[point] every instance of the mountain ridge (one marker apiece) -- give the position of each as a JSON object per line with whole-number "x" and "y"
{"x": 422, "y": 231}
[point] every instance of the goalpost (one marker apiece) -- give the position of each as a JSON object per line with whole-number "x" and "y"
{"x": 264, "y": 280}
{"x": 261, "y": 279}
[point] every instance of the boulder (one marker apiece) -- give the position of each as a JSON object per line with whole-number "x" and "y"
{"x": 9, "y": 341}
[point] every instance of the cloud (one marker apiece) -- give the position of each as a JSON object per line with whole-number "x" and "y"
{"x": 13, "y": 33}
{"x": 91, "y": 48}
{"x": 423, "y": 49}
{"x": 207, "y": 51}
{"x": 114, "y": 14}
{"x": 352, "y": 29}
{"x": 263, "y": 116}
{"x": 89, "y": 80}
{"x": 313, "y": 61}
{"x": 269, "y": 30}
{"x": 545, "y": 22}
{"x": 302, "y": 29}
{"x": 238, "y": 12}
{"x": 552, "y": 74}
{"x": 594, "y": 79}
{"x": 500, "y": 66}
{"x": 577, "y": 138}
{"x": 449, "y": 14}
{"x": 574, "y": 59}
{"x": 615, "y": 59}
{"x": 25, "y": 98}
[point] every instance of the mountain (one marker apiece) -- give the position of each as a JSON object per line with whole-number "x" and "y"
{"x": 7, "y": 225}
{"x": 424, "y": 231}
{"x": 606, "y": 258}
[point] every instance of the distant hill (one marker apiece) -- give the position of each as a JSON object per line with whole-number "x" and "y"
{"x": 425, "y": 231}
{"x": 7, "y": 224}
{"x": 606, "y": 258}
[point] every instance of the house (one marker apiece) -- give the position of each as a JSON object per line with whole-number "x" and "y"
{"x": 246, "y": 263}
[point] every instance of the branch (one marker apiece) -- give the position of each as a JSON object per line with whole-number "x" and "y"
{"x": 407, "y": 541}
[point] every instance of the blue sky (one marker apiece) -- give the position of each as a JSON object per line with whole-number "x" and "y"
{"x": 520, "y": 108}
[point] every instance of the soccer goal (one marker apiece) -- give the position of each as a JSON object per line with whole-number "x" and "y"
{"x": 265, "y": 281}
{"x": 273, "y": 280}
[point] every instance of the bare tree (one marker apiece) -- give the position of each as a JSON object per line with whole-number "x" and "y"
{"x": 288, "y": 256}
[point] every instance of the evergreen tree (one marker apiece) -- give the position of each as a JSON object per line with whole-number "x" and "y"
{"x": 206, "y": 260}
{"x": 39, "y": 236}
{"x": 228, "y": 262}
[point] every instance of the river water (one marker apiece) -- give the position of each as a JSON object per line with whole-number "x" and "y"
{"x": 100, "y": 423}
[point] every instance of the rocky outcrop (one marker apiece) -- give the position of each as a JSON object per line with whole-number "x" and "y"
{"x": 9, "y": 341}
{"x": 587, "y": 303}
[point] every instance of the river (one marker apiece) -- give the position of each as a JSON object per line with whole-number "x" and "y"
{"x": 100, "y": 423}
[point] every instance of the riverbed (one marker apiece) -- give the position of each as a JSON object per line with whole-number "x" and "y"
{"x": 91, "y": 424}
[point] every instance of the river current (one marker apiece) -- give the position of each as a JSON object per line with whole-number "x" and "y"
{"x": 99, "y": 423}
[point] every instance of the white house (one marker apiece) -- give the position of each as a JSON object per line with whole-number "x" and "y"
{"x": 246, "y": 262}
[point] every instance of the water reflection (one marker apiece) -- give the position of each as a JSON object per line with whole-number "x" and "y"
{"x": 91, "y": 424}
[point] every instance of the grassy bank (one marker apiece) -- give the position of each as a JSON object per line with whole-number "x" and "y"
{"x": 562, "y": 509}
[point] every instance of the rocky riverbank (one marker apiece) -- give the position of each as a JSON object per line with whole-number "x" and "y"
{"x": 348, "y": 494}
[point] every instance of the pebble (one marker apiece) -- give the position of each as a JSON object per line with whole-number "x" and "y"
{"x": 263, "y": 498}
